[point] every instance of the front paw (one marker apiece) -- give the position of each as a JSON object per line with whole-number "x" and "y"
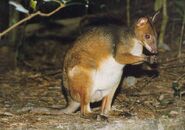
{"x": 153, "y": 59}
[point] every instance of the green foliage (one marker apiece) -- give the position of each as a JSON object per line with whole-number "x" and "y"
{"x": 33, "y": 4}
{"x": 18, "y": 7}
{"x": 179, "y": 4}
{"x": 73, "y": 2}
{"x": 68, "y": 1}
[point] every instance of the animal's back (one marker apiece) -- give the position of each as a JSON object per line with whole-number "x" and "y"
{"x": 91, "y": 49}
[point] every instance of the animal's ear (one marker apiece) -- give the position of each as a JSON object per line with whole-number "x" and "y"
{"x": 141, "y": 21}
{"x": 155, "y": 16}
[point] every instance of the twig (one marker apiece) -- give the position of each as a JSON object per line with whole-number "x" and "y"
{"x": 142, "y": 94}
{"x": 4, "y": 113}
{"x": 54, "y": 73}
{"x": 170, "y": 60}
{"x": 38, "y": 13}
{"x": 181, "y": 77}
{"x": 170, "y": 66}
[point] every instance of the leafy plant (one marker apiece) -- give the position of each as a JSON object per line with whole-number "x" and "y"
{"x": 18, "y": 7}
{"x": 33, "y": 4}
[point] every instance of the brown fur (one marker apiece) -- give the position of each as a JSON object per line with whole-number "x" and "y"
{"x": 146, "y": 28}
{"x": 91, "y": 49}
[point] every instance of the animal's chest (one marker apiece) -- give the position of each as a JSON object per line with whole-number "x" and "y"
{"x": 105, "y": 78}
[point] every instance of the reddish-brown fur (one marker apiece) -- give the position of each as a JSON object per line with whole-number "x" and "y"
{"x": 91, "y": 49}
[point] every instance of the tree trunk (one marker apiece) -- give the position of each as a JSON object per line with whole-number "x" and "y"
{"x": 6, "y": 53}
{"x": 164, "y": 23}
{"x": 4, "y": 14}
{"x": 14, "y": 18}
{"x": 128, "y": 12}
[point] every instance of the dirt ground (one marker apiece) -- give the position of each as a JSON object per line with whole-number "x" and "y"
{"x": 157, "y": 92}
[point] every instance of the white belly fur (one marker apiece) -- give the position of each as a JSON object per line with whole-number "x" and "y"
{"x": 105, "y": 78}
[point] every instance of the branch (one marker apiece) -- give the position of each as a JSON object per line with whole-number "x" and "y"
{"x": 38, "y": 13}
{"x": 128, "y": 12}
{"x": 181, "y": 36}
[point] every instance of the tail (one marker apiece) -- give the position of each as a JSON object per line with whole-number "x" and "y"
{"x": 72, "y": 105}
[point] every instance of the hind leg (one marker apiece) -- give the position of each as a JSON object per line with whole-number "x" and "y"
{"x": 107, "y": 101}
{"x": 72, "y": 105}
{"x": 85, "y": 104}
{"x": 80, "y": 88}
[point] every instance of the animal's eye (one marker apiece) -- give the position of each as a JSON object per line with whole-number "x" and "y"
{"x": 147, "y": 36}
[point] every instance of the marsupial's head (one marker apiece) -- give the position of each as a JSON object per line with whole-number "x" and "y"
{"x": 145, "y": 32}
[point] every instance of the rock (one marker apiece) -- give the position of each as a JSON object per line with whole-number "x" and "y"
{"x": 164, "y": 47}
{"x": 161, "y": 97}
{"x": 129, "y": 81}
{"x": 173, "y": 113}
